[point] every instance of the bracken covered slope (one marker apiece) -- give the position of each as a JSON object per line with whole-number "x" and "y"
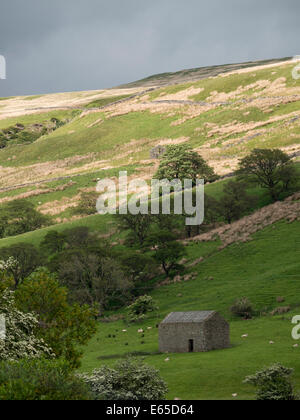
{"x": 223, "y": 117}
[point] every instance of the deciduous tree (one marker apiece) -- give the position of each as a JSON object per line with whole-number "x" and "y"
{"x": 270, "y": 168}
{"x": 166, "y": 250}
{"x": 63, "y": 326}
{"x": 181, "y": 162}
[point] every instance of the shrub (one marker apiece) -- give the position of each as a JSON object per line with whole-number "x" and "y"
{"x": 36, "y": 380}
{"x": 53, "y": 243}
{"x": 19, "y": 134}
{"x": 142, "y": 306}
{"x": 21, "y": 340}
{"x": 138, "y": 227}
{"x": 129, "y": 380}
{"x": 166, "y": 250}
{"x": 87, "y": 204}
{"x": 79, "y": 237}
{"x": 6, "y": 279}
{"x": 24, "y": 258}
{"x": 140, "y": 269}
{"x": 273, "y": 383}
{"x": 270, "y": 168}
{"x": 93, "y": 278}
{"x": 63, "y": 326}
{"x": 235, "y": 202}
{"x": 242, "y": 308}
{"x": 20, "y": 216}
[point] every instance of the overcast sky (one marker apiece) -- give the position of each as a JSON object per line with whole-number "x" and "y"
{"x": 68, "y": 45}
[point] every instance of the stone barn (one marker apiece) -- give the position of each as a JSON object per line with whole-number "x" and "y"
{"x": 188, "y": 332}
{"x": 157, "y": 152}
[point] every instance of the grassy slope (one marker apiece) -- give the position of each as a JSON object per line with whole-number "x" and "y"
{"x": 263, "y": 269}
{"x": 98, "y": 138}
{"x": 98, "y": 223}
{"x": 73, "y": 186}
{"x": 38, "y": 118}
{"x": 197, "y": 73}
{"x": 106, "y": 138}
{"x": 231, "y": 82}
{"x": 105, "y": 101}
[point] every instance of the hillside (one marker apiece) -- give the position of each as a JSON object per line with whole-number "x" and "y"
{"x": 56, "y": 147}
{"x": 222, "y": 117}
{"x": 263, "y": 269}
{"x": 261, "y": 262}
{"x": 196, "y": 74}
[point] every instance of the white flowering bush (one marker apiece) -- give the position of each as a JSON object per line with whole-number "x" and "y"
{"x": 20, "y": 339}
{"x": 142, "y": 306}
{"x": 273, "y": 383}
{"x": 130, "y": 379}
{"x": 6, "y": 272}
{"x": 9, "y": 264}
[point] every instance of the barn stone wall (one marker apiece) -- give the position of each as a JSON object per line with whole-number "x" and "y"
{"x": 217, "y": 333}
{"x": 210, "y": 334}
{"x": 174, "y": 338}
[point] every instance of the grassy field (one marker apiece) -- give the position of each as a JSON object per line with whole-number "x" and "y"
{"x": 263, "y": 269}
{"x": 204, "y": 376}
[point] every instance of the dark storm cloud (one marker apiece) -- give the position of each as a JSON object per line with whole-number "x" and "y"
{"x": 67, "y": 45}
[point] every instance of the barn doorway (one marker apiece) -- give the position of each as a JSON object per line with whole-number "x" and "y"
{"x": 191, "y": 346}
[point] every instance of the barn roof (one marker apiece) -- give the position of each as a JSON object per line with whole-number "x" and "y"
{"x": 181, "y": 317}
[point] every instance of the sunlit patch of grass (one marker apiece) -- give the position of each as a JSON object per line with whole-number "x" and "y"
{"x": 105, "y": 101}
{"x": 38, "y": 118}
